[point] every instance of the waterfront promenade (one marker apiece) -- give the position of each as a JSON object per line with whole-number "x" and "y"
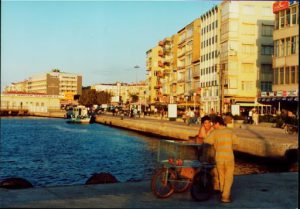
{"x": 272, "y": 190}
{"x": 258, "y": 140}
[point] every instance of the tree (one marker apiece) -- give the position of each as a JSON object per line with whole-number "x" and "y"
{"x": 134, "y": 98}
{"x": 90, "y": 97}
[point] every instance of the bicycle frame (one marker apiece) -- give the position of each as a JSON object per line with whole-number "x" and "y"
{"x": 173, "y": 158}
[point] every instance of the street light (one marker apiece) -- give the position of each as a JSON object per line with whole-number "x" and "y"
{"x": 136, "y": 81}
{"x": 136, "y": 67}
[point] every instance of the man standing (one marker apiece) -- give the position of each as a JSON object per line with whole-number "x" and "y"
{"x": 223, "y": 139}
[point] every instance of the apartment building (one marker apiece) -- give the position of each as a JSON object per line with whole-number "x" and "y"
{"x": 284, "y": 92}
{"x": 154, "y": 66}
{"x": 21, "y": 86}
{"x": 246, "y": 48}
{"x": 52, "y": 83}
{"x": 121, "y": 92}
{"x": 181, "y": 66}
{"x": 192, "y": 58}
{"x": 168, "y": 52}
{"x": 34, "y": 102}
{"x": 209, "y": 60}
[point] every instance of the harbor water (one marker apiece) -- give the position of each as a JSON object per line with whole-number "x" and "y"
{"x": 51, "y": 152}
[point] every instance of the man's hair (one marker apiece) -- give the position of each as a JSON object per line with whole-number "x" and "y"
{"x": 219, "y": 120}
{"x": 204, "y": 118}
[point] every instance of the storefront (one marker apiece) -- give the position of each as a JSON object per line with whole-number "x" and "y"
{"x": 279, "y": 100}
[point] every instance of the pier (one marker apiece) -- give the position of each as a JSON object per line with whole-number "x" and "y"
{"x": 255, "y": 140}
{"x": 272, "y": 190}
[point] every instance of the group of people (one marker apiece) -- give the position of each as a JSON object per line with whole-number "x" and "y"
{"x": 213, "y": 131}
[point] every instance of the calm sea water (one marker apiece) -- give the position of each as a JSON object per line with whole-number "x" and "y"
{"x": 50, "y": 152}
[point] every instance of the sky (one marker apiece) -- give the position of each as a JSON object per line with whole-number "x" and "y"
{"x": 100, "y": 40}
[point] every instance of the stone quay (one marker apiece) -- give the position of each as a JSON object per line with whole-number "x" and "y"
{"x": 255, "y": 140}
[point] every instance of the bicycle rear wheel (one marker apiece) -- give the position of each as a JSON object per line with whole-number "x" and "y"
{"x": 160, "y": 183}
{"x": 202, "y": 186}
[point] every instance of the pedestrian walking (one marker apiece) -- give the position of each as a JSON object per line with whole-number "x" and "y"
{"x": 250, "y": 114}
{"x": 255, "y": 117}
{"x": 223, "y": 139}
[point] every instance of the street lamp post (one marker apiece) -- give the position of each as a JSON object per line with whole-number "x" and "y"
{"x": 222, "y": 88}
{"x": 186, "y": 100}
{"x": 136, "y": 81}
{"x": 136, "y": 67}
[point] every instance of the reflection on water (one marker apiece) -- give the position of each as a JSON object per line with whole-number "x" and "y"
{"x": 50, "y": 152}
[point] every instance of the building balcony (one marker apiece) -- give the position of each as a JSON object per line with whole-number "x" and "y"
{"x": 181, "y": 80}
{"x": 160, "y": 74}
{"x": 180, "y": 68}
{"x": 167, "y": 49}
{"x": 167, "y": 62}
{"x": 181, "y": 54}
{"x": 158, "y": 85}
{"x": 160, "y": 53}
{"x": 289, "y": 60}
{"x": 160, "y": 64}
{"x": 196, "y": 73}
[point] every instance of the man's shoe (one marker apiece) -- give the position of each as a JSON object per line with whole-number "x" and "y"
{"x": 225, "y": 200}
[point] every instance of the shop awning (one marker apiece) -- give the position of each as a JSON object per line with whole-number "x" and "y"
{"x": 251, "y": 105}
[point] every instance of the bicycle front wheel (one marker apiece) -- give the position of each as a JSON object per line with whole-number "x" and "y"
{"x": 161, "y": 185}
{"x": 202, "y": 186}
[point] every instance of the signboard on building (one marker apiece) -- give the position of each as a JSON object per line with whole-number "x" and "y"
{"x": 235, "y": 109}
{"x": 280, "y": 5}
{"x": 115, "y": 99}
{"x": 172, "y": 111}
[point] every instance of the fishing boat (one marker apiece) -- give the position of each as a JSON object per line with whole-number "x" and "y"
{"x": 80, "y": 115}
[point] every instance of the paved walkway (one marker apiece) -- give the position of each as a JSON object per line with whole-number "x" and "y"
{"x": 278, "y": 190}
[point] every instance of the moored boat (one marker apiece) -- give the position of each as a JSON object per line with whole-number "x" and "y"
{"x": 80, "y": 115}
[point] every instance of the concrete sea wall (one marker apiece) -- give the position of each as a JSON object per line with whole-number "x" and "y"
{"x": 254, "y": 140}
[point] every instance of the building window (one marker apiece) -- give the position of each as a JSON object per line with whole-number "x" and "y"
{"x": 294, "y": 16}
{"x": 287, "y": 15}
{"x": 266, "y": 72}
{"x": 293, "y": 48}
{"x": 266, "y": 86}
{"x": 281, "y": 19}
{"x": 281, "y": 49}
{"x": 247, "y": 85}
{"x": 248, "y": 29}
{"x": 247, "y": 67}
{"x": 267, "y": 11}
{"x": 267, "y": 30}
{"x": 287, "y": 75}
{"x": 276, "y": 48}
{"x": 248, "y": 10}
{"x": 248, "y": 48}
{"x": 288, "y": 46}
{"x": 277, "y": 21}
{"x": 281, "y": 75}
{"x": 293, "y": 74}
{"x": 275, "y": 81}
{"x": 266, "y": 50}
